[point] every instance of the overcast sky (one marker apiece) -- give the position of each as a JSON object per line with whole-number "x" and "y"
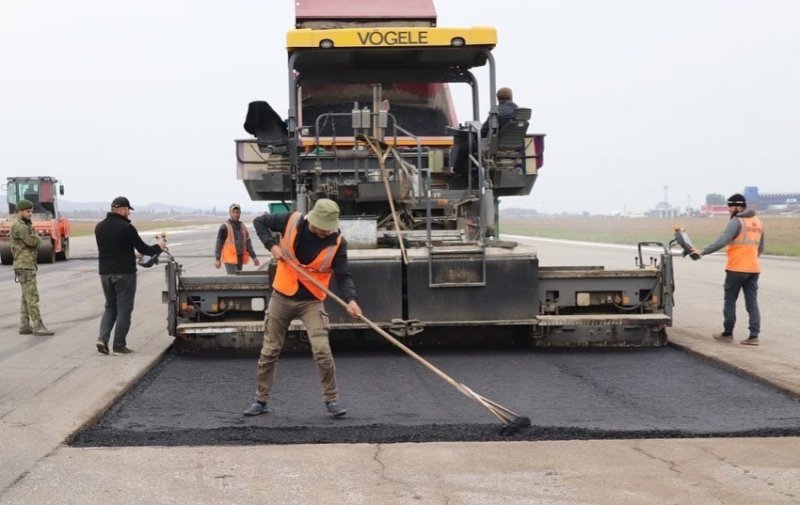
{"x": 145, "y": 98}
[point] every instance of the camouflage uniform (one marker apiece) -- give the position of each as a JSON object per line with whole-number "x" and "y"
{"x": 24, "y": 243}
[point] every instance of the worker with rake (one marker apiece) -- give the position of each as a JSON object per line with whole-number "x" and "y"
{"x": 313, "y": 244}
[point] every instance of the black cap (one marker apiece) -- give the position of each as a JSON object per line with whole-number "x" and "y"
{"x": 737, "y": 199}
{"x": 121, "y": 201}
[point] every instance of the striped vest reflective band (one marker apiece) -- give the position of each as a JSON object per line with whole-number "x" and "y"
{"x": 286, "y": 279}
{"x": 743, "y": 250}
{"x": 229, "y": 248}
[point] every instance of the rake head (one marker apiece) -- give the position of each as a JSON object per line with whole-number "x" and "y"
{"x": 515, "y": 425}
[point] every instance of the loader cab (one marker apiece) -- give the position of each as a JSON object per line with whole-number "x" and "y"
{"x": 41, "y": 191}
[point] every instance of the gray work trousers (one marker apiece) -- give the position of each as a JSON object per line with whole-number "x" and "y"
{"x": 120, "y": 291}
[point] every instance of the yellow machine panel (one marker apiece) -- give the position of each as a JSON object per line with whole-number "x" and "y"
{"x": 391, "y": 37}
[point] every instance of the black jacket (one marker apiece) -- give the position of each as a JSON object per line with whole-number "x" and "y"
{"x": 116, "y": 239}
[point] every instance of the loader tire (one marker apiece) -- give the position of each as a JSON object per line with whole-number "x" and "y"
{"x": 64, "y": 254}
{"x": 5, "y": 253}
{"x": 45, "y": 253}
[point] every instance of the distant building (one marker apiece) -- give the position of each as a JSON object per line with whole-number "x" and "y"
{"x": 765, "y": 201}
{"x": 707, "y": 210}
{"x": 663, "y": 210}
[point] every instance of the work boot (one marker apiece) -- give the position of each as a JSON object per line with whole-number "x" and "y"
{"x": 256, "y": 408}
{"x": 335, "y": 409}
{"x": 102, "y": 347}
{"x": 26, "y": 331}
{"x": 749, "y": 341}
{"x": 723, "y": 337}
{"x": 41, "y": 331}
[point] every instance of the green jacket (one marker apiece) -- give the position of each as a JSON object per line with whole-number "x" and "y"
{"x": 24, "y": 243}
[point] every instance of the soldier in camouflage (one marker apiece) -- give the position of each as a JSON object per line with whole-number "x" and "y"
{"x": 24, "y": 243}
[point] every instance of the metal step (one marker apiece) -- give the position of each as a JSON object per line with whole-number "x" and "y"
{"x": 604, "y": 320}
{"x": 457, "y": 250}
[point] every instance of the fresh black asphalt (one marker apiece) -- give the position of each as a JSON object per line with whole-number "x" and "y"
{"x": 567, "y": 394}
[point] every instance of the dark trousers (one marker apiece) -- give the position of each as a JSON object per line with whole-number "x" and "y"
{"x": 747, "y": 282}
{"x": 120, "y": 290}
{"x": 232, "y": 269}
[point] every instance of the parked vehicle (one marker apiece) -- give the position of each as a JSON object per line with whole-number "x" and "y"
{"x": 48, "y": 222}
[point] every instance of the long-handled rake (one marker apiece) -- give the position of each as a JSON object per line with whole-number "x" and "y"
{"x": 512, "y": 422}
{"x": 382, "y": 151}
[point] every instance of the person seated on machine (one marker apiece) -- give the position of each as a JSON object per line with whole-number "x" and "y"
{"x": 505, "y": 110}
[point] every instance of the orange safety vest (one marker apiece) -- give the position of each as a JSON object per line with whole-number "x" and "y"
{"x": 743, "y": 250}
{"x": 286, "y": 279}
{"x": 229, "y": 255}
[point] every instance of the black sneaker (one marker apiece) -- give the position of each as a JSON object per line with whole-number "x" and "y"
{"x": 256, "y": 409}
{"x": 335, "y": 409}
{"x": 122, "y": 352}
{"x": 723, "y": 337}
{"x": 749, "y": 341}
{"x": 102, "y": 347}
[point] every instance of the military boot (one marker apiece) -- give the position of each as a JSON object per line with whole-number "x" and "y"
{"x": 42, "y": 331}
{"x": 25, "y": 325}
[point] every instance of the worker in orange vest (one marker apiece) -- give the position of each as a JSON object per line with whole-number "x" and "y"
{"x": 744, "y": 237}
{"x": 234, "y": 247}
{"x": 313, "y": 243}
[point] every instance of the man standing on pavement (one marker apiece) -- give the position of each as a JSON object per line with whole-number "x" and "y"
{"x": 744, "y": 236}
{"x": 314, "y": 244}
{"x": 116, "y": 239}
{"x": 24, "y": 246}
{"x": 234, "y": 247}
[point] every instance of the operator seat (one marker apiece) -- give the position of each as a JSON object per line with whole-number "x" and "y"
{"x": 509, "y": 144}
{"x": 512, "y": 135}
{"x": 267, "y": 127}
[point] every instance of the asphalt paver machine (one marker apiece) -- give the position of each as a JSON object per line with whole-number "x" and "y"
{"x": 372, "y": 124}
